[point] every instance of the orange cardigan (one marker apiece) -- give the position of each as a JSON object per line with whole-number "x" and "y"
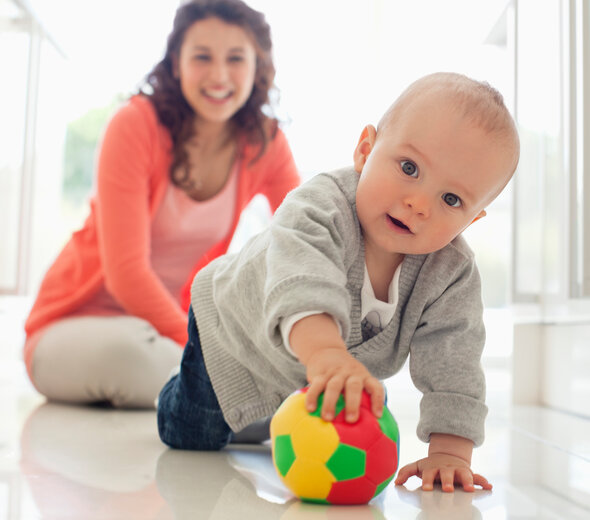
{"x": 113, "y": 246}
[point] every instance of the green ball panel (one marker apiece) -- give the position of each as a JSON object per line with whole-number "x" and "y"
{"x": 284, "y": 455}
{"x": 347, "y": 462}
{"x": 382, "y": 486}
{"x": 339, "y": 406}
{"x": 314, "y": 500}
{"x": 388, "y": 425}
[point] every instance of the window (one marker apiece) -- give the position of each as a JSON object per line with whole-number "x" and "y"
{"x": 26, "y": 169}
{"x": 14, "y": 56}
{"x": 340, "y": 64}
{"x": 552, "y": 190}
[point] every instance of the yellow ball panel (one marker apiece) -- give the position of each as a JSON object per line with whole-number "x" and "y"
{"x": 288, "y": 415}
{"x": 309, "y": 478}
{"x": 314, "y": 438}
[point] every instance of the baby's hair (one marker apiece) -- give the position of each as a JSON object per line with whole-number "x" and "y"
{"x": 479, "y": 102}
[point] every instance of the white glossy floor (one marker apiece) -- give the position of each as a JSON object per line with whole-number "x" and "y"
{"x": 61, "y": 462}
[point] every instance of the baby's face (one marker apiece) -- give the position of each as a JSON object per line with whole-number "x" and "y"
{"x": 426, "y": 176}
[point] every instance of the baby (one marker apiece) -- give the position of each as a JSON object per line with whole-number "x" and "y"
{"x": 359, "y": 269}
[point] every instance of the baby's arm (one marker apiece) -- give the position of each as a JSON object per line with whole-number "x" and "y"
{"x": 448, "y": 462}
{"x": 317, "y": 343}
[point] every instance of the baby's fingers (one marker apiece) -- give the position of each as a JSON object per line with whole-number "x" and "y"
{"x": 469, "y": 480}
{"x": 464, "y": 477}
{"x": 428, "y": 477}
{"x": 332, "y": 393}
{"x": 352, "y": 395}
{"x": 480, "y": 480}
{"x": 316, "y": 387}
{"x": 331, "y": 388}
{"x": 406, "y": 472}
{"x": 447, "y": 479}
{"x": 375, "y": 389}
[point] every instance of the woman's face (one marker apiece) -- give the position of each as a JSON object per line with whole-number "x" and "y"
{"x": 216, "y": 68}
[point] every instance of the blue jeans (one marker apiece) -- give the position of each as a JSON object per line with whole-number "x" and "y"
{"x": 189, "y": 416}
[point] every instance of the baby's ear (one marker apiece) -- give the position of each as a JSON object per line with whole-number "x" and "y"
{"x": 364, "y": 147}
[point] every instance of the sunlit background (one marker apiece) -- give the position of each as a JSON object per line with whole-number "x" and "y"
{"x": 68, "y": 64}
{"x": 340, "y": 63}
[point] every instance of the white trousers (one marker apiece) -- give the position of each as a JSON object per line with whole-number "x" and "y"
{"x": 122, "y": 360}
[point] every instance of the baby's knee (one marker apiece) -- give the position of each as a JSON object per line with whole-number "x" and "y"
{"x": 181, "y": 426}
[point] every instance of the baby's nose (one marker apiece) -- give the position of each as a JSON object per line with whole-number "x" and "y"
{"x": 419, "y": 204}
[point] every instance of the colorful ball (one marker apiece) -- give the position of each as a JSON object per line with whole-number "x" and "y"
{"x": 333, "y": 462}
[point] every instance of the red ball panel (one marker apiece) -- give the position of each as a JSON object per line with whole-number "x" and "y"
{"x": 362, "y": 434}
{"x": 355, "y": 491}
{"x": 380, "y": 457}
{"x": 381, "y": 460}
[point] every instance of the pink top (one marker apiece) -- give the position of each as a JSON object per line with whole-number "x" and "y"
{"x": 113, "y": 248}
{"x": 183, "y": 229}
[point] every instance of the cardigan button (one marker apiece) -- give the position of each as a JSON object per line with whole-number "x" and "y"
{"x": 234, "y": 415}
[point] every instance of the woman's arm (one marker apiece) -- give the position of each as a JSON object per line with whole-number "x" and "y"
{"x": 124, "y": 188}
{"x": 280, "y": 172}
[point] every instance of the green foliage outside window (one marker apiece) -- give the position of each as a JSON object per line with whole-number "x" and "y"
{"x": 82, "y": 138}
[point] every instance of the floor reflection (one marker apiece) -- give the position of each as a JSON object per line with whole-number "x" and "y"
{"x": 78, "y": 460}
{"x": 443, "y": 506}
{"x": 105, "y": 464}
{"x": 234, "y": 482}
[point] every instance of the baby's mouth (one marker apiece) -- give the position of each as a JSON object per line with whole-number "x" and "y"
{"x": 399, "y": 224}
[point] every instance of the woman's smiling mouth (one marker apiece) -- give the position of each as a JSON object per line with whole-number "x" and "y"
{"x": 217, "y": 95}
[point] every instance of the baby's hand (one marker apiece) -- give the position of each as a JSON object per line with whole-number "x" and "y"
{"x": 443, "y": 468}
{"x": 330, "y": 368}
{"x": 334, "y": 371}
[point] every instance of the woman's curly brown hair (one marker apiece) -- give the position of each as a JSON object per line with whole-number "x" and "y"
{"x": 163, "y": 89}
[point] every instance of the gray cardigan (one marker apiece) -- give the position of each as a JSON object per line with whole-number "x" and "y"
{"x": 312, "y": 258}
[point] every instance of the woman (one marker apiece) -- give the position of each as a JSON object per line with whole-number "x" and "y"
{"x": 178, "y": 164}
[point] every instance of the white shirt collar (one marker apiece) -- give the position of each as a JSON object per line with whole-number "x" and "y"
{"x": 377, "y": 312}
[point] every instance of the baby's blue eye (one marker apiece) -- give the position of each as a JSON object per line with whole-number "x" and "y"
{"x": 409, "y": 168}
{"x": 452, "y": 200}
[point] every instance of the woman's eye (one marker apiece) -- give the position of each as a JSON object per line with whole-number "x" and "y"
{"x": 409, "y": 168}
{"x": 201, "y": 57}
{"x": 452, "y": 200}
{"x": 235, "y": 59}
